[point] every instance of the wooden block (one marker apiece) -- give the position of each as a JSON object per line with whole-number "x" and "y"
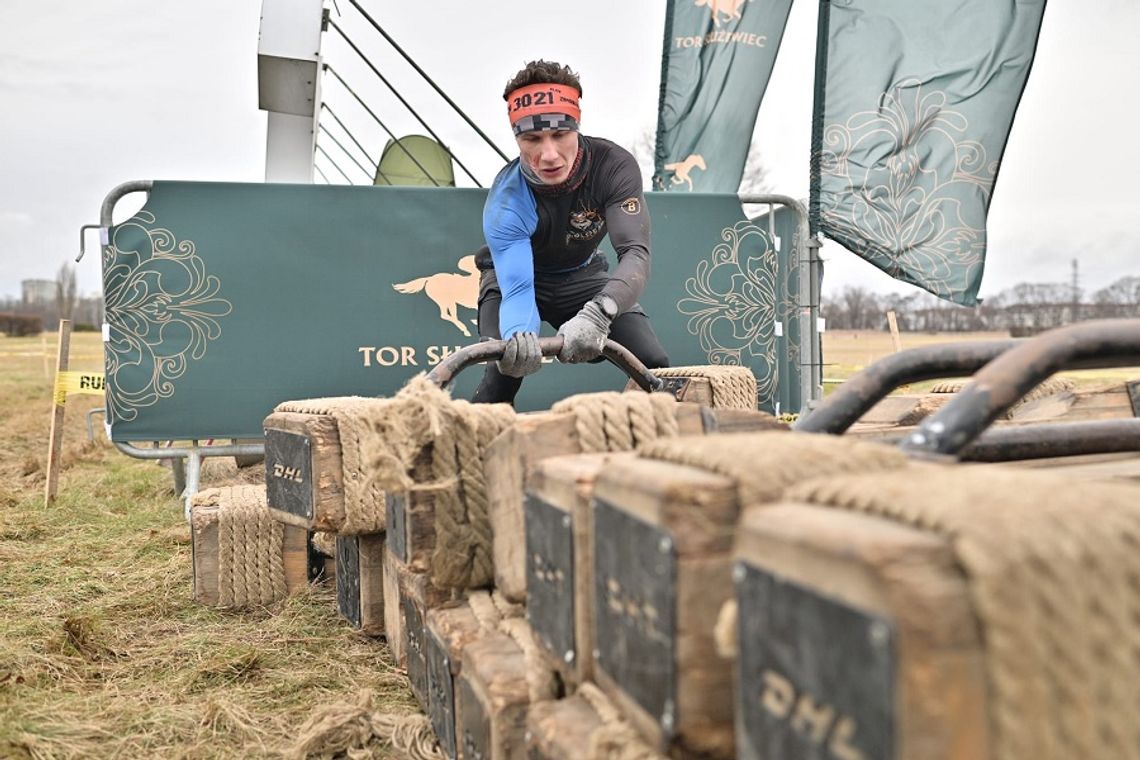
{"x": 491, "y": 699}
{"x": 662, "y": 570}
{"x": 410, "y": 520}
{"x": 1123, "y": 466}
{"x": 204, "y": 549}
{"x": 535, "y": 437}
{"x": 561, "y": 730}
{"x": 304, "y": 475}
{"x": 447, "y": 631}
{"x": 407, "y": 597}
{"x": 856, "y": 639}
{"x": 360, "y": 581}
{"x": 560, "y": 560}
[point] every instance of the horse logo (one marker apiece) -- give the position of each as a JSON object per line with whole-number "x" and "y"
{"x": 730, "y": 8}
{"x": 681, "y": 169}
{"x": 449, "y": 291}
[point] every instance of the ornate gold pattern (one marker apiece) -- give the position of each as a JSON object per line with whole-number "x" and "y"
{"x": 907, "y": 188}
{"x": 162, "y": 310}
{"x": 731, "y": 304}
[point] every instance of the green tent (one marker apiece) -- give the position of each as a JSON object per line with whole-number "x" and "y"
{"x": 415, "y": 160}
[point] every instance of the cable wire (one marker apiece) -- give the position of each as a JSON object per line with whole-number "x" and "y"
{"x": 356, "y": 142}
{"x": 334, "y": 163}
{"x": 384, "y": 126}
{"x": 423, "y": 74}
{"x": 371, "y": 175}
{"x": 400, "y": 97}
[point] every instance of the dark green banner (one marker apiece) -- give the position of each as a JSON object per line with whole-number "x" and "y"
{"x": 223, "y": 300}
{"x": 914, "y": 104}
{"x": 717, "y": 60}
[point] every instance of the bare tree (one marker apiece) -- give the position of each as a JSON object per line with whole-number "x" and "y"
{"x": 65, "y": 291}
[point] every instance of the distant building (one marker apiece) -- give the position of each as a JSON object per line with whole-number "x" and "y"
{"x": 38, "y": 292}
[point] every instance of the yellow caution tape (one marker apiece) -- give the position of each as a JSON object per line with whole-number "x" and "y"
{"x": 91, "y": 383}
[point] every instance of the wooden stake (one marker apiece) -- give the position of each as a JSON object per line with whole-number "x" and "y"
{"x": 893, "y": 323}
{"x": 55, "y": 442}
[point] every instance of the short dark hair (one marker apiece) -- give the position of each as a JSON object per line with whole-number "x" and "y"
{"x": 542, "y": 72}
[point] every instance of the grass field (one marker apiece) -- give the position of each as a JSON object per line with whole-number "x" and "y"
{"x": 103, "y": 653}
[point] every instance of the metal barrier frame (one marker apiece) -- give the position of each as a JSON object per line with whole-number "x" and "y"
{"x": 807, "y": 255}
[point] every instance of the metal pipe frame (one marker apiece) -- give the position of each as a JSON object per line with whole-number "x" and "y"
{"x": 492, "y": 350}
{"x": 1056, "y": 439}
{"x": 807, "y": 256}
{"x": 194, "y": 454}
{"x": 858, "y": 394}
{"x": 1004, "y": 381}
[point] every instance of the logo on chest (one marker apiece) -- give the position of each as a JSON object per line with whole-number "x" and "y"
{"x": 585, "y": 224}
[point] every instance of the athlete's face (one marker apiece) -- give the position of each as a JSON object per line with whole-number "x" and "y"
{"x": 549, "y": 153}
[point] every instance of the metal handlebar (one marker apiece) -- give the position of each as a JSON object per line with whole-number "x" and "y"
{"x": 858, "y": 394}
{"x": 492, "y": 350}
{"x": 1005, "y": 380}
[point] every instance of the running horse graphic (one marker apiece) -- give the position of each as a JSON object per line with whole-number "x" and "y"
{"x": 449, "y": 291}
{"x": 681, "y": 169}
{"x": 730, "y": 8}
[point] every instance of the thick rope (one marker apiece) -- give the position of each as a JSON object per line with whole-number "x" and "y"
{"x": 419, "y": 417}
{"x": 541, "y": 680}
{"x": 364, "y": 506}
{"x": 733, "y": 387}
{"x": 1053, "y": 569}
{"x": 763, "y": 464}
{"x": 251, "y": 570}
{"x": 619, "y": 421}
{"x": 615, "y": 739}
{"x": 346, "y": 729}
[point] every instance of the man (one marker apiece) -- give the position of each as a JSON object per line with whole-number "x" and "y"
{"x": 546, "y": 214}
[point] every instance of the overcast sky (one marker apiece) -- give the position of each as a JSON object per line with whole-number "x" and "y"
{"x": 96, "y": 93}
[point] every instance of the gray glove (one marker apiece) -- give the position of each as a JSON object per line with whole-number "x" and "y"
{"x": 521, "y": 356}
{"x": 584, "y": 334}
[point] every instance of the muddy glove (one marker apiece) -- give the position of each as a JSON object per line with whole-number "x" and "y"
{"x": 585, "y": 333}
{"x": 521, "y": 355}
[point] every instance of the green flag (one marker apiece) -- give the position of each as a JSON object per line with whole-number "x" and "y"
{"x": 914, "y": 103}
{"x": 715, "y": 67}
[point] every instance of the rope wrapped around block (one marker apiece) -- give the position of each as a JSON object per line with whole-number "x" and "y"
{"x": 1053, "y": 571}
{"x": 733, "y": 386}
{"x": 457, "y": 433}
{"x": 764, "y": 464}
{"x": 620, "y": 421}
{"x": 616, "y": 739}
{"x": 251, "y": 570}
{"x": 363, "y": 497}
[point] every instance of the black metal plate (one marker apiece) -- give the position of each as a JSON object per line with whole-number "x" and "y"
{"x": 475, "y": 733}
{"x": 414, "y": 646}
{"x": 550, "y": 577}
{"x": 289, "y": 473}
{"x": 678, "y": 386}
{"x": 348, "y": 579}
{"x": 441, "y": 692}
{"x": 815, "y": 676}
{"x": 1134, "y": 397}
{"x": 395, "y": 525}
{"x": 635, "y": 577}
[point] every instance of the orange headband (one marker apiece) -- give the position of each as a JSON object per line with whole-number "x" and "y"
{"x": 543, "y": 98}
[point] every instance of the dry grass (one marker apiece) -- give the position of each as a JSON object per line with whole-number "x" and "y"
{"x": 103, "y": 653}
{"x": 845, "y": 352}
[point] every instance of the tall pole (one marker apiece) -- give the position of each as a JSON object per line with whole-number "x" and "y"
{"x": 59, "y": 397}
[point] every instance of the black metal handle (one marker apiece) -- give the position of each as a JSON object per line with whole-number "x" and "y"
{"x": 1005, "y": 380}
{"x": 492, "y": 350}
{"x": 862, "y": 391}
